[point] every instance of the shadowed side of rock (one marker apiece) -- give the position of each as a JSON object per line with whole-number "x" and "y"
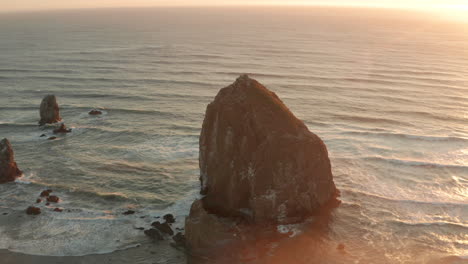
{"x": 49, "y": 110}
{"x": 9, "y": 170}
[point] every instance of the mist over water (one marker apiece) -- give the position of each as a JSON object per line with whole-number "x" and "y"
{"x": 387, "y": 91}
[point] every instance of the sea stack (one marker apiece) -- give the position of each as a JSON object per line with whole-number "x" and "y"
{"x": 258, "y": 163}
{"x": 49, "y": 110}
{"x": 8, "y": 169}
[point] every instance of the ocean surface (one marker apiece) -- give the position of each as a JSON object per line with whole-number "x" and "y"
{"x": 386, "y": 90}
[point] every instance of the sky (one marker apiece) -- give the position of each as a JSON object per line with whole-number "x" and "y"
{"x": 28, "y": 5}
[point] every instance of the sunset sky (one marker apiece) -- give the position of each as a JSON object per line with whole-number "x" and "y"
{"x": 22, "y": 5}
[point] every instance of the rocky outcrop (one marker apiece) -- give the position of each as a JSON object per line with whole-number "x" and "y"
{"x": 95, "y": 112}
{"x": 8, "y": 168}
{"x": 33, "y": 210}
{"x": 62, "y": 129}
{"x": 259, "y": 166}
{"x": 49, "y": 110}
{"x": 258, "y": 161}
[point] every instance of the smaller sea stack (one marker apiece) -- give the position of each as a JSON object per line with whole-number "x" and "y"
{"x": 49, "y": 110}
{"x": 8, "y": 169}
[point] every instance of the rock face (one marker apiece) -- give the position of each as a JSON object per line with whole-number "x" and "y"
{"x": 258, "y": 161}
{"x": 49, "y": 110}
{"x": 8, "y": 169}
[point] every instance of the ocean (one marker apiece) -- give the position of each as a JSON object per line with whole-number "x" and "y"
{"x": 387, "y": 91}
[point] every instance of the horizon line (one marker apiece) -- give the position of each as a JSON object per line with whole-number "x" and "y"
{"x": 351, "y": 6}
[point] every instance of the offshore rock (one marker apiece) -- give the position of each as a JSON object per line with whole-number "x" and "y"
{"x": 258, "y": 161}
{"x": 49, "y": 110}
{"x": 8, "y": 168}
{"x": 33, "y": 210}
{"x": 62, "y": 130}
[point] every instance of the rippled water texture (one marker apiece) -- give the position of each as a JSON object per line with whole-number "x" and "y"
{"x": 386, "y": 90}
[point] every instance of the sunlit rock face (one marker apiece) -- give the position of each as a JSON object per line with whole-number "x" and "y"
{"x": 49, "y": 110}
{"x": 258, "y": 161}
{"x": 8, "y": 169}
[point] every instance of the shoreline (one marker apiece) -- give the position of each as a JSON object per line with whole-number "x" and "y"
{"x": 147, "y": 252}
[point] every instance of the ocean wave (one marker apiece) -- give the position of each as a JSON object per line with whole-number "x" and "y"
{"x": 409, "y": 136}
{"x": 452, "y": 205}
{"x": 373, "y": 120}
{"x": 413, "y": 163}
{"x": 428, "y": 224}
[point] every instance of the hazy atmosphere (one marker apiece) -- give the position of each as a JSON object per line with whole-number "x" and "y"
{"x": 22, "y": 5}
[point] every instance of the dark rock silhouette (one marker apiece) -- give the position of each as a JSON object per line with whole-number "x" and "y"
{"x": 38, "y": 200}
{"x": 33, "y": 210}
{"x": 45, "y": 193}
{"x": 154, "y": 234}
{"x": 53, "y": 199}
{"x": 163, "y": 228}
{"x": 129, "y": 212}
{"x": 169, "y": 218}
{"x": 62, "y": 129}
{"x": 259, "y": 166}
{"x": 58, "y": 210}
{"x": 52, "y": 138}
{"x": 95, "y": 112}
{"x": 9, "y": 170}
{"x": 179, "y": 240}
{"x": 49, "y": 110}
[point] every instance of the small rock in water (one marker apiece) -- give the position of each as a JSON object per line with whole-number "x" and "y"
{"x": 164, "y": 228}
{"x": 53, "y": 199}
{"x": 43, "y": 135}
{"x": 38, "y": 200}
{"x": 52, "y": 138}
{"x": 58, "y": 210}
{"x": 129, "y": 212}
{"x": 62, "y": 129}
{"x": 169, "y": 218}
{"x": 5, "y": 213}
{"x": 179, "y": 239}
{"x": 140, "y": 228}
{"x": 33, "y": 210}
{"x": 47, "y": 204}
{"x": 45, "y": 193}
{"x": 154, "y": 234}
{"x": 95, "y": 112}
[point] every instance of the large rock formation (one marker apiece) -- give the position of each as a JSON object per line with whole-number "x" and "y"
{"x": 258, "y": 161}
{"x": 8, "y": 169}
{"x": 49, "y": 110}
{"x": 259, "y": 166}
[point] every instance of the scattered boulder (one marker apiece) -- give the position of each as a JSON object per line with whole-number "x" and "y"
{"x": 45, "y": 193}
{"x": 53, "y": 199}
{"x": 62, "y": 129}
{"x": 49, "y": 110}
{"x": 154, "y": 234}
{"x": 43, "y": 135}
{"x": 9, "y": 170}
{"x": 179, "y": 239}
{"x": 38, "y": 200}
{"x": 58, "y": 210}
{"x": 47, "y": 204}
{"x": 95, "y": 112}
{"x": 140, "y": 228}
{"x": 129, "y": 212}
{"x": 169, "y": 218}
{"x": 33, "y": 210}
{"x": 163, "y": 228}
{"x": 52, "y": 138}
